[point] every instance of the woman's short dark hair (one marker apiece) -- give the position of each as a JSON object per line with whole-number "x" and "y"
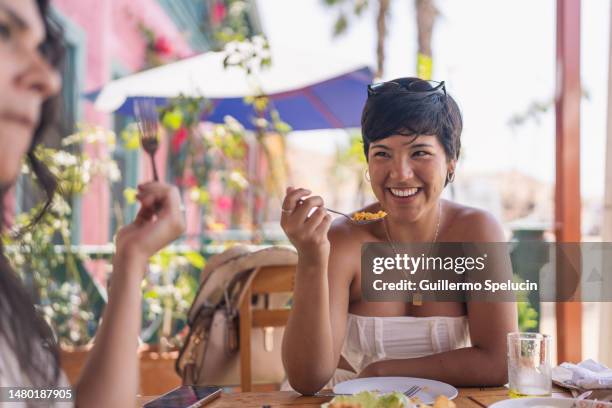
{"x": 395, "y": 110}
{"x": 22, "y": 326}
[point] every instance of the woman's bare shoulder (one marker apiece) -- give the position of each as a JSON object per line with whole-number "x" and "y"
{"x": 345, "y": 234}
{"x": 465, "y": 223}
{"x": 345, "y": 243}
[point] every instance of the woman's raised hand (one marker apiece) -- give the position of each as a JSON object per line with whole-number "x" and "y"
{"x": 158, "y": 222}
{"x": 306, "y": 228}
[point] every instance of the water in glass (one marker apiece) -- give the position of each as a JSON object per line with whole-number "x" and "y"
{"x": 529, "y": 369}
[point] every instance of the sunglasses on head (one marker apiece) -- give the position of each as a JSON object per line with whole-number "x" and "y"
{"x": 420, "y": 87}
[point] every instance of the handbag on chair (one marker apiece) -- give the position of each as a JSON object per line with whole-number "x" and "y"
{"x": 211, "y": 355}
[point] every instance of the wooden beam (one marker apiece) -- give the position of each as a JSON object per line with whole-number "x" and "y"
{"x": 273, "y": 279}
{"x": 567, "y": 186}
{"x": 605, "y": 325}
{"x": 270, "y": 318}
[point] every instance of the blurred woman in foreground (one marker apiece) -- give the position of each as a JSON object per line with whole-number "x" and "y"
{"x": 30, "y": 58}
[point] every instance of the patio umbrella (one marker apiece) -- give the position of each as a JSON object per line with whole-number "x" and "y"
{"x": 309, "y": 91}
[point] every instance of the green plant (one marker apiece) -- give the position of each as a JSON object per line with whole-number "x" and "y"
{"x": 67, "y": 296}
{"x": 169, "y": 289}
{"x": 527, "y": 316}
{"x": 230, "y": 21}
{"x": 253, "y": 56}
{"x": 207, "y": 157}
{"x": 158, "y": 48}
{"x": 54, "y": 277}
{"x": 351, "y": 164}
{"x": 55, "y": 270}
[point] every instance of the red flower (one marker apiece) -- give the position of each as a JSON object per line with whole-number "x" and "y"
{"x": 218, "y": 13}
{"x": 224, "y": 203}
{"x": 189, "y": 180}
{"x": 179, "y": 138}
{"x": 163, "y": 46}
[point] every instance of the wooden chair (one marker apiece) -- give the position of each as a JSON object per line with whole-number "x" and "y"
{"x": 268, "y": 280}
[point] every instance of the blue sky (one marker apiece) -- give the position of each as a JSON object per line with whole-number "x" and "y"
{"x": 496, "y": 56}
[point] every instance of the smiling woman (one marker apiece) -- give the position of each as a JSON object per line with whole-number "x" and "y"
{"x": 30, "y": 56}
{"x": 411, "y": 135}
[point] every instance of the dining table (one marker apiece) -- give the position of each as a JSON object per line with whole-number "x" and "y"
{"x": 467, "y": 398}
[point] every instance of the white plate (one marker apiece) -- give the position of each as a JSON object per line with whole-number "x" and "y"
{"x": 540, "y": 402}
{"x": 431, "y": 389}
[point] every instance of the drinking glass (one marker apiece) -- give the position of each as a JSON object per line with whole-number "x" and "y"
{"x": 529, "y": 370}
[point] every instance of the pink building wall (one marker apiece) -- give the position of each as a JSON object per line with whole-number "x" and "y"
{"x": 112, "y": 33}
{"x": 113, "y": 38}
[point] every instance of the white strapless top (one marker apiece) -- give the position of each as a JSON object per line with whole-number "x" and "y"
{"x": 369, "y": 339}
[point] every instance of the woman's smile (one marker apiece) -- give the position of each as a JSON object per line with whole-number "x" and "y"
{"x": 404, "y": 195}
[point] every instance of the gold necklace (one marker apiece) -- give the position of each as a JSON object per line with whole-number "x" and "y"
{"x": 417, "y": 298}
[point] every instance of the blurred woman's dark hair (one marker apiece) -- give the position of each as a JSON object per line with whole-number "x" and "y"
{"x": 21, "y": 325}
{"x": 411, "y": 107}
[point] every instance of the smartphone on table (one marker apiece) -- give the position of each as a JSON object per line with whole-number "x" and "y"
{"x": 186, "y": 396}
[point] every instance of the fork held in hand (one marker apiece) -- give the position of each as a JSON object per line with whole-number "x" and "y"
{"x": 351, "y": 219}
{"x": 147, "y": 119}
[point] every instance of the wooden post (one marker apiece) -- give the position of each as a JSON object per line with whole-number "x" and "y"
{"x": 246, "y": 316}
{"x": 605, "y": 326}
{"x": 567, "y": 186}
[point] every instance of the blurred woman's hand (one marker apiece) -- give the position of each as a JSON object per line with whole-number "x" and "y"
{"x": 158, "y": 222}
{"x": 306, "y": 231}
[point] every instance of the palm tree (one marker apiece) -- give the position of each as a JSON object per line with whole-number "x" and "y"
{"x": 426, "y": 13}
{"x": 381, "y": 34}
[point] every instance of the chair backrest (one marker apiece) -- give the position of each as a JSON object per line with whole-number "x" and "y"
{"x": 211, "y": 354}
{"x": 268, "y": 280}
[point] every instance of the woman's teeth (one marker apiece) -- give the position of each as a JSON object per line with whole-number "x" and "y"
{"x": 404, "y": 192}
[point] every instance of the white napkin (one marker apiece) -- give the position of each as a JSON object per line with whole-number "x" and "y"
{"x": 589, "y": 375}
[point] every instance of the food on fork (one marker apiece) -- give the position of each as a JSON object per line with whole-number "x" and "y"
{"x": 368, "y": 399}
{"x": 365, "y": 216}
